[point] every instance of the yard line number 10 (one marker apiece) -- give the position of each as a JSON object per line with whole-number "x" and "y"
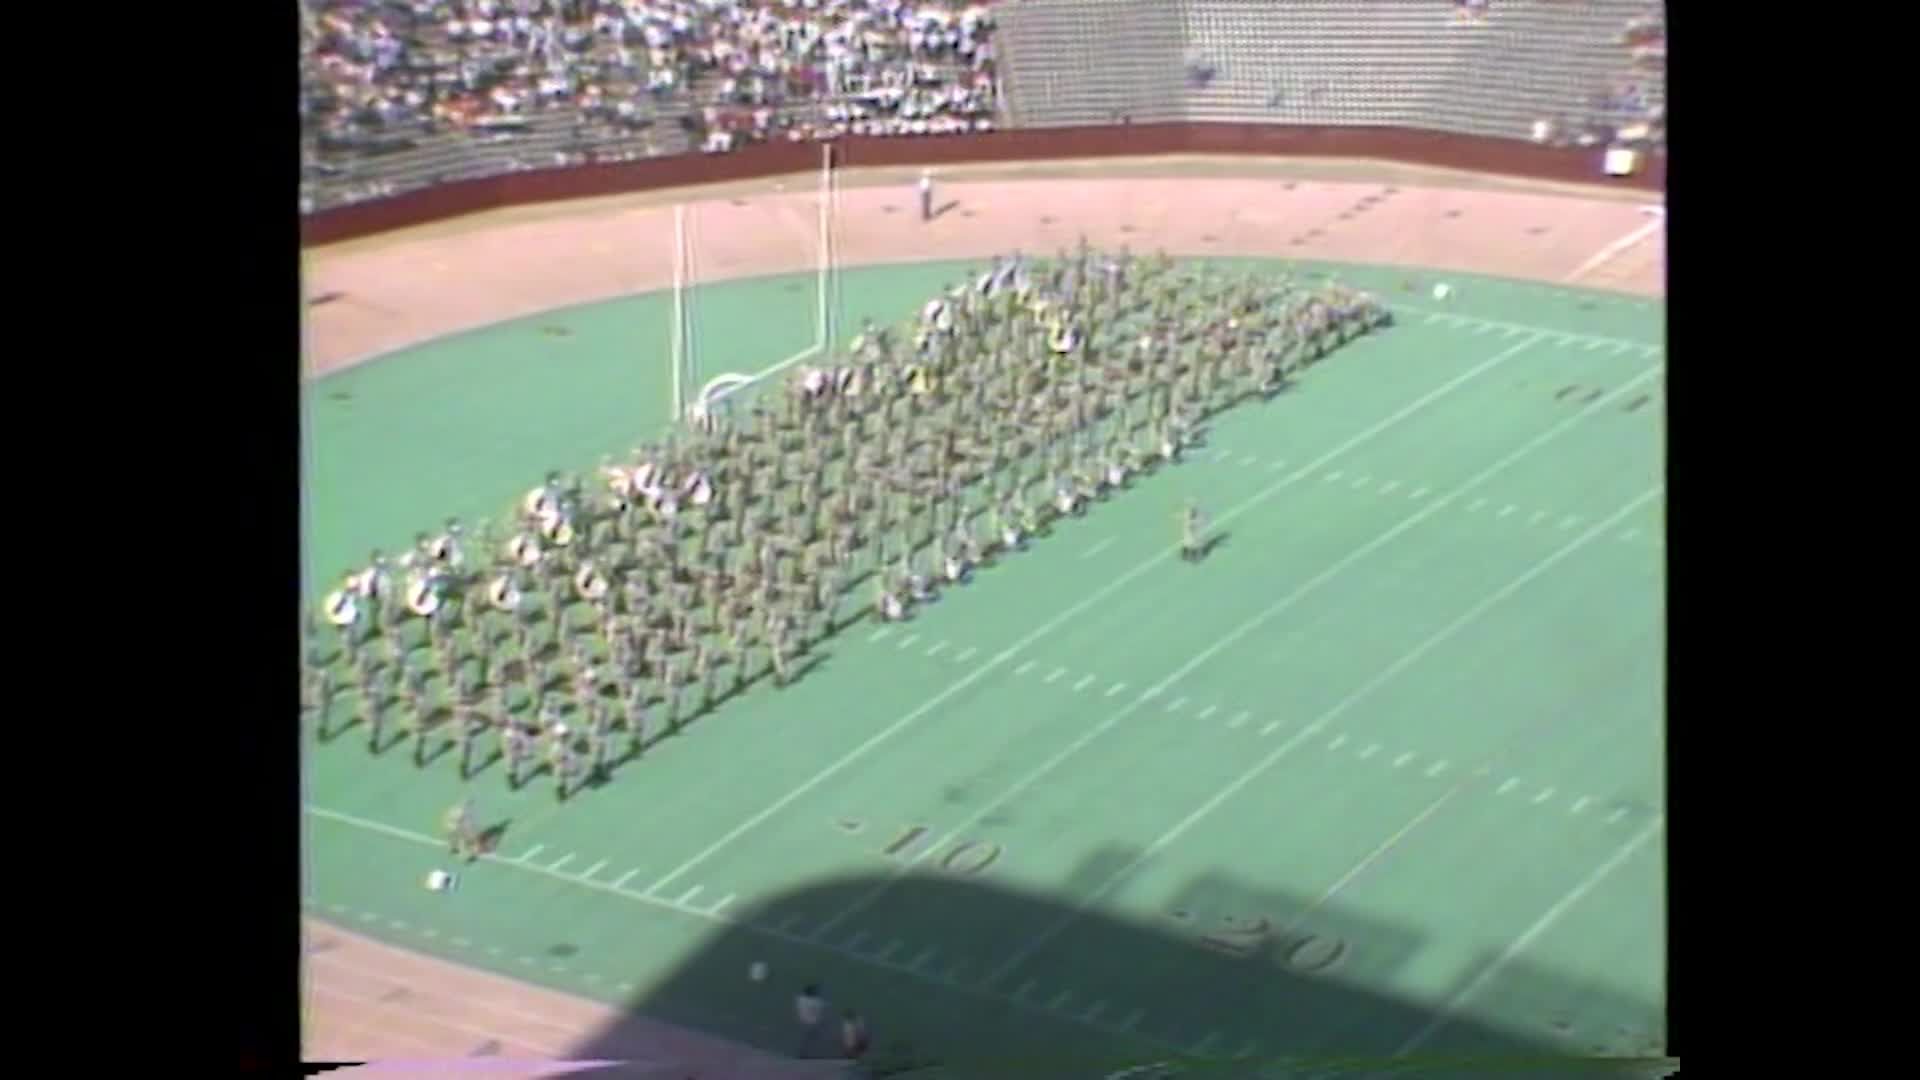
{"x": 966, "y": 858}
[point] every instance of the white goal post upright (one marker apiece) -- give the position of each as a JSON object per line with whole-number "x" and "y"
{"x": 705, "y": 392}
{"x": 823, "y": 339}
{"x": 678, "y": 315}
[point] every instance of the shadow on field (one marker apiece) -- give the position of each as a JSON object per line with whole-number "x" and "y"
{"x": 1229, "y": 980}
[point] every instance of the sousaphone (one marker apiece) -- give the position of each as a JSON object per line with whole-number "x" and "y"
{"x": 557, "y": 527}
{"x": 699, "y": 489}
{"x": 340, "y": 608}
{"x": 445, "y": 550}
{"x": 368, "y": 583}
{"x": 524, "y": 550}
{"x": 502, "y": 593}
{"x": 540, "y": 501}
{"x": 590, "y": 582}
{"x": 423, "y": 594}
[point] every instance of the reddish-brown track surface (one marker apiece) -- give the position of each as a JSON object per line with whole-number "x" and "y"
{"x": 365, "y": 1000}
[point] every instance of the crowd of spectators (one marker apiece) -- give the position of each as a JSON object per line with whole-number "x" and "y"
{"x": 381, "y": 75}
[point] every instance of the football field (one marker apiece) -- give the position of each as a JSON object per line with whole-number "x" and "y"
{"x": 1382, "y": 774}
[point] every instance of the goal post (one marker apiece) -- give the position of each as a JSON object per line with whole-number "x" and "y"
{"x": 700, "y": 393}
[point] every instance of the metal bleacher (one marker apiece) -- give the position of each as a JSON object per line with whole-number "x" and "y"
{"x": 1075, "y": 62}
{"x": 1061, "y": 63}
{"x": 1403, "y": 63}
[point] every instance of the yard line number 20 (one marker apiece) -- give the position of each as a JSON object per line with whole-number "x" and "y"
{"x": 1305, "y": 954}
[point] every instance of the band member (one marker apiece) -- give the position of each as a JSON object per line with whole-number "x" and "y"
{"x": 1191, "y": 523}
{"x": 517, "y": 747}
{"x": 599, "y": 736}
{"x": 562, "y": 759}
{"x": 463, "y": 833}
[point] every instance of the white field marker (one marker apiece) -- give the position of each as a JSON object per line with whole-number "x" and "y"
{"x": 1402, "y": 759}
{"x": 1272, "y": 726}
{"x": 1545, "y": 794}
{"x": 1614, "y": 818}
{"x": 1361, "y": 483}
{"x": 594, "y": 869}
{"x": 530, "y": 853}
{"x": 1085, "y": 681}
{"x": 1508, "y": 510}
{"x": 1334, "y": 475}
{"x": 1419, "y": 493}
{"x": 1477, "y": 504}
{"x": 561, "y": 861}
{"x": 853, "y": 943}
{"x": 1537, "y": 515}
{"x": 1208, "y": 711}
{"x": 1025, "y": 989}
{"x": 686, "y": 898}
{"x": 1580, "y": 803}
{"x": 1512, "y": 782}
{"x": 879, "y": 634}
{"x": 892, "y": 947}
{"x": 1249, "y": 460}
{"x": 1437, "y": 768}
{"x": 1092, "y": 1015}
{"x": 907, "y": 642}
{"x": 1372, "y": 749}
{"x": 1391, "y": 485}
{"x": 936, "y": 650}
{"x": 1569, "y": 522}
{"x": 626, "y": 877}
{"x": 1278, "y": 465}
{"x": 1098, "y": 548}
{"x": 1116, "y": 688}
{"x": 1239, "y": 719}
{"x": 1060, "y": 999}
{"x": 721, "y": 905}
{"x": 1339, "y": 741}
{"x": 1133, "y": 1018}
{"x": 1024, "y": 668}
{"x": 1057, "y": 672}
{"x": 1177, "y": 704}
{"x": 962, "y": 658}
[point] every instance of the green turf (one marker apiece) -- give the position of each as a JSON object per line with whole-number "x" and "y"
{"x": 1334, "y": 676}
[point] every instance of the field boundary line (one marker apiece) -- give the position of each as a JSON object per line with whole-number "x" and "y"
{"x": 1425, "y": 512}
{"x": 1384, "y": 676}
{"x": 1074, "y": 611}
{"x": 783, "y": 936}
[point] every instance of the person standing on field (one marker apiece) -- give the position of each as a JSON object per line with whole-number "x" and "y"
{"x": 926, "y": 195}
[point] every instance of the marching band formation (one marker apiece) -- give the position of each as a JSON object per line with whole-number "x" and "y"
{"x": 607, "y": 613}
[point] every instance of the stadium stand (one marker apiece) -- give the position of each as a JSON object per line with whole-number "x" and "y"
{"x": 402, "y": 94}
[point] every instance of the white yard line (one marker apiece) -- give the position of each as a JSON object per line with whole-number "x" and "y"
{"x": 1561, "y": 907}
{"x": 1615, "y": 249}
{"x": 1047, "y": 628}
{"x": 1366, "y": 689}
{"x": 904, "y": 867}
{"x": 1543, "y": 331}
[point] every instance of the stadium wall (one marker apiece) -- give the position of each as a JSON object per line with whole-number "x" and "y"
{"x": 1465, "y": 152}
